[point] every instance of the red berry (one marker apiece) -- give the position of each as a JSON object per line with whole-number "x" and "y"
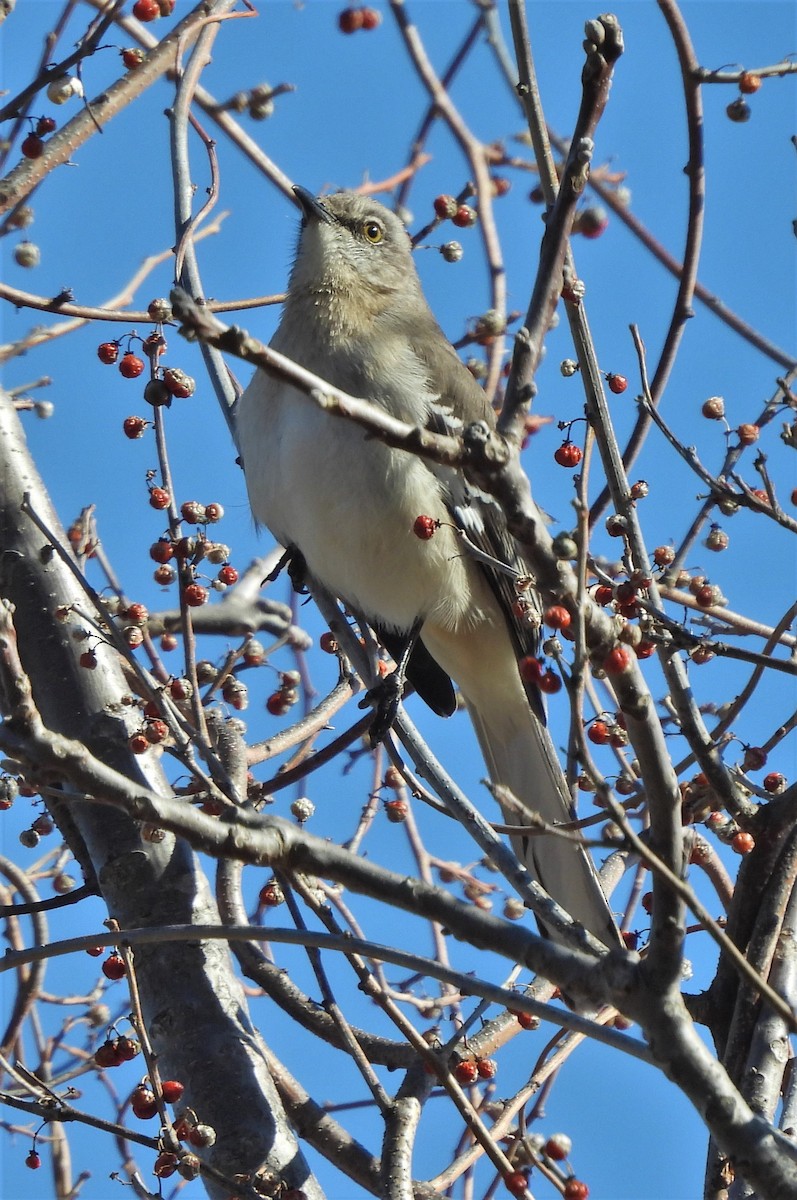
{"x": 45, "y": 125}
{"x": 202, "y": 1135}
{"x": 128, "y": 1048}
{"x": 465, "y": 216}
{"x": 558, "y": 1147}
{"x": 598, "y": 732}
{"x": 743, "y": 843}
{"x": 146, "y": 10}
{"x": 33, "y": 1160}
{"x": 487, "y": 1068}
{"x": 107, "y": 1055}
{"x": 192, "y": 512}
{"x": 530, "y": 669}
{"x": 114, "y": 966}
{"x": 645, "y": 649}
{"x": 172, "y": 1090}
{"x": 253, "y": 653}
{"x": 108, "y": 352}
{"x": 749, "y": 83}
{"x": 774, "y": 783}
{"x": 617, "y": 661}
{"x": 748, "y": 433}
{"x": 568, "y": 455}
{"x": 328, "y": 642}
{"x": 134, "y": 427}
{"x": 755, "y": 757}
{"x": 603, "y": 595}
{"x": 180, "y": 689}
{"x": 271, "y": 894}
{"x": 213, "y": 512}
{"x": 425, "y": 527}
{"x": 370, "y": 17}
{"x": 159, "y": 497}
{"x": 235, "y": 693}
{"x": 350, "y": 20}
{"x": 591, "y": 222}
{"x": 195, "y": 595}
{"x": 178, "y": 383}
{"x": 130, "y": 365}
{"x": 165, "y": 1164}
{"x": 277, "y": 704}
{"x": 524, "y": 1019}
{"x": 133, "y": 56}
{"x": 182, "y": 1127}
{"x": 396, "y": 811}
{"x": 143, "y": 1102}
{"x": 549, "y": 682}
{"x": 557, "y": 617}
{"x": 138, "y": 743}
{"x": 575, "y": 1190}
{"x": 228, "y": 575}
{"x": 162, "y": 550}
{"x": 88, "y": 660}
{"x": 617, "y": 383}
{"x": 466, "y": 1071}
{"x": 445, "y": 206}
{"x": 515, "y": 1183}
{"x": 707, "y": 595}
{"x": 663, "y": 556}
{"x": 156, "y": 731}
{"x": 713, "y": 408}
{"x": 138, "y": 614}
{"x": 154, "y": 343}
{"x": 33, "y": 146}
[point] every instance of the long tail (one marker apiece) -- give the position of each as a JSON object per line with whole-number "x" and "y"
{"x": 520, "y": 754}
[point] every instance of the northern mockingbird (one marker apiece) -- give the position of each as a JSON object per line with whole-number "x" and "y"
{"x": 355, "y": 314}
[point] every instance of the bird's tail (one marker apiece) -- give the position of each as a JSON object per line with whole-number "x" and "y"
{"x": 520, "y": 755}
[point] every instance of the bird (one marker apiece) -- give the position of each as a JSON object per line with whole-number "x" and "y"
{"x": 347, "y": 504}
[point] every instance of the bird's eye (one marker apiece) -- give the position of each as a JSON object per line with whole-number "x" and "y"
{"x": 372, "y": 231}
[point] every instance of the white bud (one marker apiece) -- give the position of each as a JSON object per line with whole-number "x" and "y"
{"x": 27, "y": 254}
{"x": 302, "y": 809}
{"x": 63, "y": 89}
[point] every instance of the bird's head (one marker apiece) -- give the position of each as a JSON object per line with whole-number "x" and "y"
{"x": 353, "y": 249}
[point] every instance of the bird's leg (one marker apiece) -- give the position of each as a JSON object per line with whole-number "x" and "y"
{"x": 294, "y": 561}
{"x": 386, "y": 695}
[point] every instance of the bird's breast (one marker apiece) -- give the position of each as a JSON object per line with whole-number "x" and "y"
{"x": 349, "y": 503}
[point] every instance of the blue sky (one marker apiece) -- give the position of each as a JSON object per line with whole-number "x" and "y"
{"x": 353, "y": 114}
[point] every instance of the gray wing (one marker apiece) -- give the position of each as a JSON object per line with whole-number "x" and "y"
{"x": 477, "y": 514}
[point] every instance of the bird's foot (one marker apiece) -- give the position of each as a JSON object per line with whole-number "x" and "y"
{"x": 385, "y": 697}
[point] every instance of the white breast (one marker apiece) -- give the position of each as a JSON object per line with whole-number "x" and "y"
{"x": 349, "y": 504}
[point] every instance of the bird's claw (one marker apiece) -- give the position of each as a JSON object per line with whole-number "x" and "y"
{"x": 385, "y": 697}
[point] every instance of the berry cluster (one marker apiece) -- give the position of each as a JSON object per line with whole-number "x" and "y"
{"x": 33, "y": 144}
{"x": 350, "y": 20}
{"x": 448, "y": 208}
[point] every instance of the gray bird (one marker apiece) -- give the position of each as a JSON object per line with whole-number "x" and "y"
{"x": 355, "y": 315}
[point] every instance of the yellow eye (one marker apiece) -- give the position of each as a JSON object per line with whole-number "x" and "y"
{"x": 372, "y": 231}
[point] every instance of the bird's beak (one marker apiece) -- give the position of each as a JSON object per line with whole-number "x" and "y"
{"x": 312, "y": 209}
